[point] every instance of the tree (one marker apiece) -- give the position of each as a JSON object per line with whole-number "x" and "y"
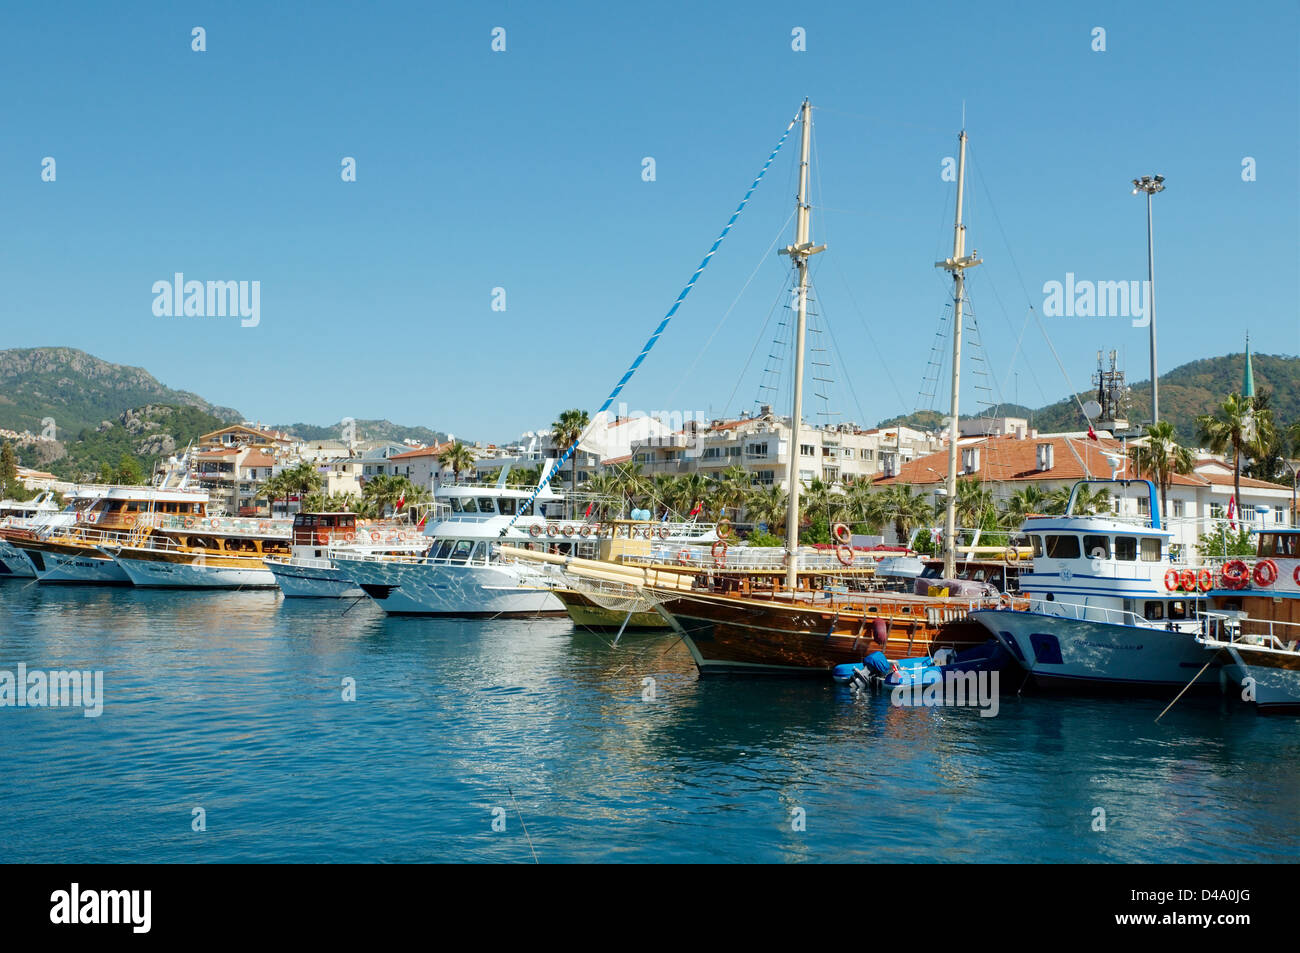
{"x": 458, "y": 457}
{"x": 128, "y": 471}
{"x": 906, "y": 509}
{"x": 8, "y": 470}
{"x": 1021, "y": 504}
{"x": 731, "y": 488}
{"x": 768, "y": 504}
{"x": 974, "y": 503}
{"x": 566, "y": 431}
{"x": 1160, "y": 458}
{"x": 1234, "y": 427}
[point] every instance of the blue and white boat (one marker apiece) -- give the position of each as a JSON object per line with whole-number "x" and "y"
{"x": 1108, "y": 607}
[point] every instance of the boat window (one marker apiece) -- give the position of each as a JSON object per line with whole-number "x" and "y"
{"x": 1150, "y": 550}
{"x": 1126, "y": 548}
{"x": 1154, "y": 610}
{"x": 470, "y": 504}
{"x": 487, "y": 504}
{"x": 462, "y": 550}
{"x": 507, "y": 506}
{"x": 1037, "y": 542}
{"x": 1288, "y": 544}
{"x": 445, "y": 548}
{"x": 1097, "y": 547}
{"x": 455, "y": 504}
{"x": 1062, "y": 547}
{"x": 1178, "y": 609}
{"x": 1266, "y": 543}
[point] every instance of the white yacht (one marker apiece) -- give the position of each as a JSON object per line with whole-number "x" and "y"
{"x": 1107, "y": 606}
{"x": 23, "y": 516}
{"x": 461, "y": 572}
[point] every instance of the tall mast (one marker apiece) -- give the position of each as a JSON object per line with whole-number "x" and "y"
{"x": 799, "y": 253}
{"x": 957, "y": 264}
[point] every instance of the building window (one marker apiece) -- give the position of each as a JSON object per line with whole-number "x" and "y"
{"x": 1178, "y": 507}
{"x": 1216, "y": 511}
{"x": 764, "y": 477}
{"x": 756, "y": 450}
{"x": 806, "y": 475}
{"x": 1144, "y": 506}
{"x": 712, "y": 453}
{"x": 807, "y": 450}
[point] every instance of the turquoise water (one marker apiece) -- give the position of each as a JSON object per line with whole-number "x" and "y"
{"x": 231, "y": 702}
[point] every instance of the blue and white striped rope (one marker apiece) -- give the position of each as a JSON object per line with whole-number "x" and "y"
{"x": 663, "y": 325}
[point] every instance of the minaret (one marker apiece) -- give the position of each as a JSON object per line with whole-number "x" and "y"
{"x": 1248, "y": 376}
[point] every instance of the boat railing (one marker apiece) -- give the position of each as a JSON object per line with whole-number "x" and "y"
{"x": 742, "y": 558}
{"x": 1082, "y": 612}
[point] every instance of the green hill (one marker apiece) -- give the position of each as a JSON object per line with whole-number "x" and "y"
{"x": 366, "y": 430}
{"x": 1185, "y": 392}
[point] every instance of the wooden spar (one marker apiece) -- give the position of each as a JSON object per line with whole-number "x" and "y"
{"x": 639, "y": 577}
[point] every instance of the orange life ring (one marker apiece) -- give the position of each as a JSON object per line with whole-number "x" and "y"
{"x": 323, "y": 537}
{"x": 374, "y": 535}
{"x": 1187, "y": 579}
{"x": 585, "y": 531}
{"x": 349, "y": 537}
{"x": 1235, "y": 574}
{"x": 568, "y": 529}
{"x": 1171, "y": 580}
{"x": 841, "y": 533}
{"x": 663, "y": 532}
{"x": 130, "y": 519}
{"x": 214, "y": 522}
{"x": 723, "y": 528}
{"x": 1296, "y": 575}
{"x": 552, "y": 530}
{"x": 840, "y": 551}
{"x": 534, "y": 531}
{"x": 719, "y": 553}
{"x": 684, "y": 557}
{"x": 1205, "y": 580}
{"x": 189, "y": 522}
{"x": 1265, "y": 572}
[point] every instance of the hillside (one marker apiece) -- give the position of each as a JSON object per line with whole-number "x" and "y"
{"x": 1185, "y": 392}
{"x": 144, "y": 433}
{"x": 366, "y": 430}
{"x": 81, "y": 391}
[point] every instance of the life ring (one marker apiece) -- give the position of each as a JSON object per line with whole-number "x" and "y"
{"x": 263, "y": 526}
{"x": 1171, "y": 580}
{"x": 723, "y": 528}
{"x": 1012, "y": 554}
{"x": 1187, "y": 579}
{"x": 684, "y": 557}
{"x": 130, "y": 519}
{"x": 841, "y": 533}
{"x": 568, "y": 530}
{"x": 534, "y": 531}
{"x": 840, "y": 552}
{"x": 719, "y": 553}
{"x": 323, "y": 537}
{"x": 349, "y": 537}
{"x": 1265, "y": 572}
{"x": 1296, "y": 575}
{"x": 189, "y": 522}
{"x": 552, "y": 530}
{"x": 1235, "y": 574}
{"x": 374, "y": 535}
{"x": 1205, "y": 579}
{"x": 585, "y": 531}
{"x": 663, "y": 532}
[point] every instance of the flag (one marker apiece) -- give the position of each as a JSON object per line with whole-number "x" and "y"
{"x": 590, "y": 507}
{"x": 423, "y": 519}
{"x": 1092, "y": 434}
{"x": 401, "y": 501}
{"x": 696, "y": 510}
{"x": 1232, "y": 511}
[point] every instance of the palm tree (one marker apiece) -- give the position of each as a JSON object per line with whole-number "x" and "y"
{"x": 822, "y": 500}
{"x": 731, "y": 488}
{"x": 604, "y": 487}
{"x": 1021, "y": 503}
{"x": 974, "y": 503}
{"x": 275, "y": 487}
{"x": 458, "y": 457}
{"x": 1086, "y": 502}
{"x": 566, "y": 431}
{"x": 633, "y": 483}
{"x": 1161, "y": 457}
{"x": 768, "y": 504}
{"x": 906, "y": 509}
{"x": 301, "y": 480}
{"x": 1234, "y": 426}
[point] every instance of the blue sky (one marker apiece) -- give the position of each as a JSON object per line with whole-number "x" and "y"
{"x": 522, "y": 170}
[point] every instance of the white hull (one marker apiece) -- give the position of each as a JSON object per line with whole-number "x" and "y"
{"x": 14, "y": 563}
{"x": 81, "y": 569}
{"x": 156, "y": 574}
{"x": 1271, "y": 686}
{"x": 314, "y": 582}
{"x": 455, "y": 589}
{"x": 1059, "y": 650}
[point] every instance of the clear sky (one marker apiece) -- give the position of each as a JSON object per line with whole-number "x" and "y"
{"x": 522, "y": 170}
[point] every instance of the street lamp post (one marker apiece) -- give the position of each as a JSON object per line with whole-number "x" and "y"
{"x": 1151, "y": 184}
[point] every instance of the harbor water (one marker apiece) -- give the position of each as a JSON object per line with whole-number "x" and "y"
{"x": 226, "y": 736}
